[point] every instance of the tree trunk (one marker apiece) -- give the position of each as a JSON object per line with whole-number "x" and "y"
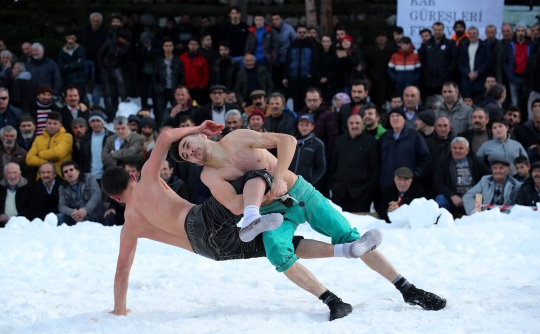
{"x": 311, "y": 13}
{"x": 326, "y": 17}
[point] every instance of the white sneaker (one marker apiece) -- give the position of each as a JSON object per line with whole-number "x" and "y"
{"x": 262, "y": 224}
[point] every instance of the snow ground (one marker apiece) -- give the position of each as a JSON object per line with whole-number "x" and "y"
{"x": 487, "y": 266}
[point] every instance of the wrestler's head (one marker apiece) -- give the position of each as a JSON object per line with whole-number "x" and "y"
{"x": 114, "y": 181}
{"x": 192, "y": 148}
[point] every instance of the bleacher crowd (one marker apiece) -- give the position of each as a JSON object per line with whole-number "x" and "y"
{"x": 376, "y": 127}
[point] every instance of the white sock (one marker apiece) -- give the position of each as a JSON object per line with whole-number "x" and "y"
{"x": 343, "y": 250}
{"x": 251, "y": 212}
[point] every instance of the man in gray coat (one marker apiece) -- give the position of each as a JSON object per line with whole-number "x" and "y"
{"x": 459, "y": 114}
{"x": 497, "y": 189}
{"x": 79, "y": 198}
{"x": 123, "y": 146}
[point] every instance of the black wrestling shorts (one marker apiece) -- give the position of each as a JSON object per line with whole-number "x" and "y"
{"x": 213, "y": 233}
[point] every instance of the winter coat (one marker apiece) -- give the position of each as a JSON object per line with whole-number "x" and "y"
{"x": 527, "y": 194}
{"x": 438, "y": 61}
{"x": 159, "y": 74}
{"x": 264, "y": 80}
{"x": 23, "y": 198}
{"x": 89, "y": 192}
{"x": 92, "y": 41}
{"x": 236, "y": 35}
{"x": 309, "y": 159}
{"x": 287, "y": 124}
{"x": 197, "y": 73}
{"x": 446, "y": 176}
{"x": 533, "y": 72}
{"x": 526, "y": 133}
{"x": 72, "y": 66}
{"x": 230, "y": 70}
{"x": 380, "y": 131}
{"x": 509, "y": 149}
{"x": 131, "y": 150}
{"x": 482, "y": 64}
{"x": 47, "y": 148}
{"x": 11, "y": 116}
{"x": 205, "y": 112}
{"x": 113, "y": 55}
{"x": 287, "y": 36}
{"x": 270, "y": 44}
{"x": 45, "y": 71}
{"x": 326, "y": 128}
{"x": 391, "y": 194}
{"x": 86, "y": 150}
{"x": 18, "y": 156}
{"x": 23, "y": 91}
{"x": 509, "y": 60}
{"x": 404, "y": 68}
{"x": 460, "y": 116}
{"x": 302, "y": 60}
{"x": 67, "y": 118}
{"x": 178, "y": 186}
{"x": 44, "y": 203}
{"x": 486, "y": 187}
{"x": 328, "y": 65}
{"x": 376, "y": 71}
{"x": 347, "y": 67}
{"x": 492, "y": 107}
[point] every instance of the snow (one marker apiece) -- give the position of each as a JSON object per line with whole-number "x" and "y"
{"x": 60, "y": 280}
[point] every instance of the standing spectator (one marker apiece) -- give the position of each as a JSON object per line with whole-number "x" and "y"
{"x": 168, "y": 74}
{"x": 327, "y": 77}
{"x": 73, "y": 108}
{"x": 169, "y": 32}
{"x": 403, "y": 190}
{"x": 515, "y": 57}
{"x": 497, "y": 48}
{"x": 480, "y": 133}
{"x": 92, "y": 146}
{"x": 350, "y": 64}
{"x": 79, "y": 129}
{"x": 147, "y": 52}
{"x": 42, "y": 106}
{"x": 79, "y": 196}
{"x": 234, "y": 120}
{"x": 173, "y": 181}
{"x": 224, "y": 69}
{"x": 309, "y": 160}
{"x": 474, "y": 63}
{"x": 397, "y": 35}
{"x": 6, "y": 62}
{"x": 9, "y": 115}
{"x": 197, "y": 73}
{"x": 252, "y": 78}
{"x": 124, "y": 146}
{"x": 10, "y": 151}
{"x": 236, "y": 33}
{"x": 185, "y": 32}
{"x": 45, "y": 192}
{"x": 396, "y": 101}
{"x": 359, "y": 92}
{"x": 528, "y": 194}
{"x": 262, "y": 42}
{"x": 377, "y": 59}
{"x": 71, "y": 62}
{"x": 411, "y": 99}
{"x": 207, "y": 29}
{"x": 115, "y": 213}
{"x": 490, "y": 82}
{"x": 287, "y": 36}
{"x": 498, "y": 189}
{"x": 533, "y": 153}
{"x": 15, "y": 197}
{"x": 301, "y": 67}
{"x": 256, "y": 120}
{"x": 149, "y": 132}
{"x": 404, "y": 66}
{"x": 339, "y": 100}
{"x": 134, "y": 123}
{"x": 23, "y": 88}
{"x": 512, "y": 116}
{"x": 523, "y": 167}
{"x": 526, "y": 133}
{"x": 27, "y": 131}
{"x": 92, "y": 38}
{"x": 402, "y": 147}
{"x": 44, "y": 70}
{"x": 355, "y": 168}
{"x": 425, "y": 35}
{"x": 425, "y": 124}
{"x": 371, "y": 120}
{"x": 215, "y": 109}
{"x": 280, "y": 120}
{"x": 456, "y": 173}
{"x": 53, "y": 145}
{"x": 184, "y": 107}
{"x": 438, "y": 145}
{"x": 459, "y": 114}
{"x": 26, "y": 49}
{"x": 459, "y": 35}
{"x": 438, "y": 59}
{"x": 532, "y": 79}
{"x": 494, "y": 100}
{"x": 501, "y": 145}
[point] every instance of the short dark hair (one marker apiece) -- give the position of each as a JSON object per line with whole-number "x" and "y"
{"x": 371, "y": 105}
{"x": 513, "y": 109}
{"x": 300, "y": 26}
{"x": 258, "y": 13}
{"x": 425, "y": 30}
{"x": 498, "y": 119}
{"x": 115, "y": 180}
{"x": 313, "y": 28}
{"x": 70, "y": 32}
{"x": 69, "y": 163}
{"x": 185, "y": 118}
{"x": 276, "y": 14}
{"x": 133, "y": 163}
{"x": 406, "y": 40}
{"x": 496, "y": 91}
{"x": 314, "y": 90}
{"x": 451, "y": 83}
{"x": 173, "y": 150}
{"x": 69, "y": 87}
{"x": 181, "y": 87}
{"x": 341, "y": 27}
{"x": 194, "y": 39}
{"x": 225, "y": 44}
{"x": 396, "y": 95}
{"x": 166, "y": 40}
{"x": 461, "y": 23}
{"x": 398, "y": 29}
{"x": 236, "y": 8}
{"x": 362, "y": 82}
{"x": 521, "y": 160}
{"x": 438, "y": 23}
{"x": 54, "y": 115}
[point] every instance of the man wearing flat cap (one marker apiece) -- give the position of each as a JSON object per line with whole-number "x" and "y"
{"x": 216, "y": 109}
{"x": 403, "y": 191}
{"x": 259, "y": 100}
{"x": 497, "y": 189}
{"x": 529, "y": 193}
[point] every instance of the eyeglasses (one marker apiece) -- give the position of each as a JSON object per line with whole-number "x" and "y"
{"x": 217, "y": 93}
{"x": 3, "y": 98}
{"x": 312, "y": 100}
{"x": 68, "y": 170}
{"x": 302, "y": 32}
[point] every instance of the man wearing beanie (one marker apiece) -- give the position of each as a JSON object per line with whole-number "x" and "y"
{"x": 79, "y": 129}
{"x": 425, "y": 123}
{"x": 41, "y": 108}
{"x": 256, "y": 120}
{"x": 92, "y": 145}
{"x": 149, "y": 132}
{"x": 73, "y": 108}
{"x": 459, "y": 32}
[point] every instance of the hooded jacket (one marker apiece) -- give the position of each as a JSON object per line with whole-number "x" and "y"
{"x": 270, "y": 43}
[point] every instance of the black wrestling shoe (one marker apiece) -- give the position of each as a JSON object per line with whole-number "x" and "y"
{"x": 339, "y": 309}
{"x": 427, "y": 300}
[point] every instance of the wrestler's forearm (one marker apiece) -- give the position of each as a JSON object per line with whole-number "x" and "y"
{"x": 179, "y": 133}
{"x": 121, "y": 280}
{"x": 286, "y": 146}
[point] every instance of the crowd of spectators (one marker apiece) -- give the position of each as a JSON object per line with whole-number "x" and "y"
{"x": 376, "y": 127}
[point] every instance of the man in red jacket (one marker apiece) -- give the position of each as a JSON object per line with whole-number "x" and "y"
{"x": 197, "y": 73}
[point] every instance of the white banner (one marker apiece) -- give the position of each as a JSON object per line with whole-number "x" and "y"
{"x": 415, "y": 15}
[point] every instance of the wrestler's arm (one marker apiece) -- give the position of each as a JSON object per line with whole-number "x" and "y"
{"x": 223, "y": 191}
{"x": 128, "y": 246}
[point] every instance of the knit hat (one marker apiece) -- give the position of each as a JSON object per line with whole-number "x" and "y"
{"x": 146, "y": 37}
{"x": 27, "y": 118}
{"x": 100, "y": 116}
{"x": 347, "y": 37}
{"x": 256, "y": 111}
{"x": 148, "y": 121}
{"x": 535, "y": 165}
{"x": 135, "y": 118}
{"x": 521, "y": 24}
{"x": 79, "y": 121}
{"x": 45, "y": 89}
{"x": 404, "y": 172}
{"x": 534, "y": 101}
{"x": 427, "y": 117}
{"x": 397, "y": 110}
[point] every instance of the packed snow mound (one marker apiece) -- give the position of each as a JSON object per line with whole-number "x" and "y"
{"x": 421, "y": 213}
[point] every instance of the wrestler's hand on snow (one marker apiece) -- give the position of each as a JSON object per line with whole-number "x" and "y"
{"x": 211, "y": 128}
{"x": 279, "y": 187}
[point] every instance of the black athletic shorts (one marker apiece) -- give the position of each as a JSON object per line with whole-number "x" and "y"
{"x": 213, "y": 233}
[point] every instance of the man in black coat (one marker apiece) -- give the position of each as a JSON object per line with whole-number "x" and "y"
{"x": 14, "y": 194}
{"x": 45, "y": 192}
{"x": 526, "y": 132}
{"x": 225, "y": 69}
{"x": 309, "y": 159}
{"x": 403, "y": 191}
{"x": 215, "y": 109}
{"x": 480, "y": 133}
{"x": 355, "y": 168}
{"x": 529, "y": 193}
{"x": 73, "y": 108}
{"x": 280, "y": 120}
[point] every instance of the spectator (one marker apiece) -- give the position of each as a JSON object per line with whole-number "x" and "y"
{"x": 455, "y": 174}
{"x": 207, "y": 29}
{"x": 281, "y": 119}
{"x": 92, "y": 146}
{"x": 6, "y": 62}
{"x": 522, "y": 166}
{"x": 185, "y": 32}
{"x": 501, "y": 145}
{"x": 468, "y": 101}
{"x": 185, "y": 107}
{"x": 196, "y": 71}
{"x": 71, "y": 62}
{"x": 258, "y": 101}
{"x": 402, "y": 147}
{"x": 425, "y": 124}
{"x": 215, "y": 109}
{"x": 515, "y": 57}
{"x": 149, "y": 132}
{"x": 512, "y": 116}
{"x": 438, "y": 59}
{"x": 79, "y": 129}
{"x": 15, "y": 196}
{"x": 45, "y": 192}
{"x": 143, "y": 113}
{"x": 92, "y": 38}
{"x": 480, "y": 133}
{"x": 262, "y": 42}
{"x": 124, "y": 146}
{"x": 350, "y": 63}
{"x": 42, "y": 106}
{"x": 327, "y": 80}
{"x": 371, "y": 122}
{"x": 490, "y": 82}
{"x": 339, "y": 100}
{"x": 498, "y": 189}
{"x": 460, "y": 36}
{"x": 459, "y": 114}
{"x": 79, "y": 196}
{"x": 250, "y": 79}
{"x": 73, "y": 108}
{"x": 287, "y": 36}
{"x": 528, "y": 194}
{"x": 309, "y": 160}
{"x": 169, "y": 32}
{"x": 411, "y": 98}
{"x": 355, "y": 168}
{"x": 377, "y": 59}
{"x": 27, "y": 131}
{"x": 533, "y": 79}
{"x": 425, "y": 35}
{"x": 208, "y": 52}
{"x": 134, "y": 123}
{"x": 9, "y": 115}
{"x": 23, "y": 88}
{"x": 175, "y": 183}
{"x": 115, "y": 213}
{"x": 359, "y": 93}
{"x": 313, "y": 35}
{"x": 402, "y": 191}
{"x": 224, "y": 69}
{"x": 396, "y": 102}
{"x": 53, "y": 145}
{"x": 113, "y": 60}
{"x": 397, "y": 33}
{"x": 26, "y": 49}
{"x": 533, "y": 153}
{"x": 147, "y": 53}
{"x": 474, "y": 63}
{"x": 301, "y": 67}
{"x": 527, "y": 132}
{"x": 497, "y": 48}
{"x": 10, "y": 151}
{"x": 438, "y": 145}
{"x": 168, "y": 74}
{"x": 234, "y": 120}
{"x": 231, "y": 97}
{"x": 236, "y": 33}
{"x": 256, "y": 120}
{"x": 44, "y": 70}
{"x": 434, "y": 102}
{"x": 494, "y": 100}
{"x": 404, "y": 66}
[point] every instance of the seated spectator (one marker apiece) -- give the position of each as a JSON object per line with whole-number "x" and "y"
{"x": 234, "y": 120}
{"x": 438, "y": 145}
{"x": 54, "y": 145}
{"x": 9, "y": 115}
{"x": 79, "y": 129}
{"x": 73, "y": 108}
{"x": 134, "y": 123}
{"x": 468, "y": 101}
{"x": 512, "y": 116}
{"x": 501, "y": 145}
{"x": 149, "y": 132}
{"x": 175, "y": 183}
{"x": 494, "y": 100}
{"x": 15, "y": 197}
{"x": 258, "y": 101}
{"x": 529, "y": 194}
{"x": 403, "y": 191}
{"x": 27, "y": 132}
{"x": 92, "y": 145}
{"x": 527, "y": 132}
{"x": 43, "y": 69}
{"x": 425, "y": 124}
{"x": 522, "y": 166}
{"x": 480, "y": 133}
{"x": 355, "y": 168}
{"x": 459, "y": 114}
{"x": 256, "y": 120}
{"x": 10, "y": 151}
{"x": 215, "y": 109}
{"x": 45, "y": 192}
{"x": 251, "y": 78}
{"x": 281, "y": 119}
{"x": 231, "y": 97}
{"x": 185, "y": 107}
{"x": 115, "y": 214}
{"x": 455, "y": 174}
{"x": 497, "y": 189}
{"x": 124, "y": 146}
{"x": 371, "y": 120}
{"x": 411, "y": 98}
{"x": 23, "y": 88}
{"x": 144, "y": 113}
{"x": 434, "y": 102}
{"x": 534, "y": 153}
{"x": 309, "y": 160}
{"x": 404, "y": 66}
{"x": 396, "y": 101}
{"x": 41, "y": 108}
